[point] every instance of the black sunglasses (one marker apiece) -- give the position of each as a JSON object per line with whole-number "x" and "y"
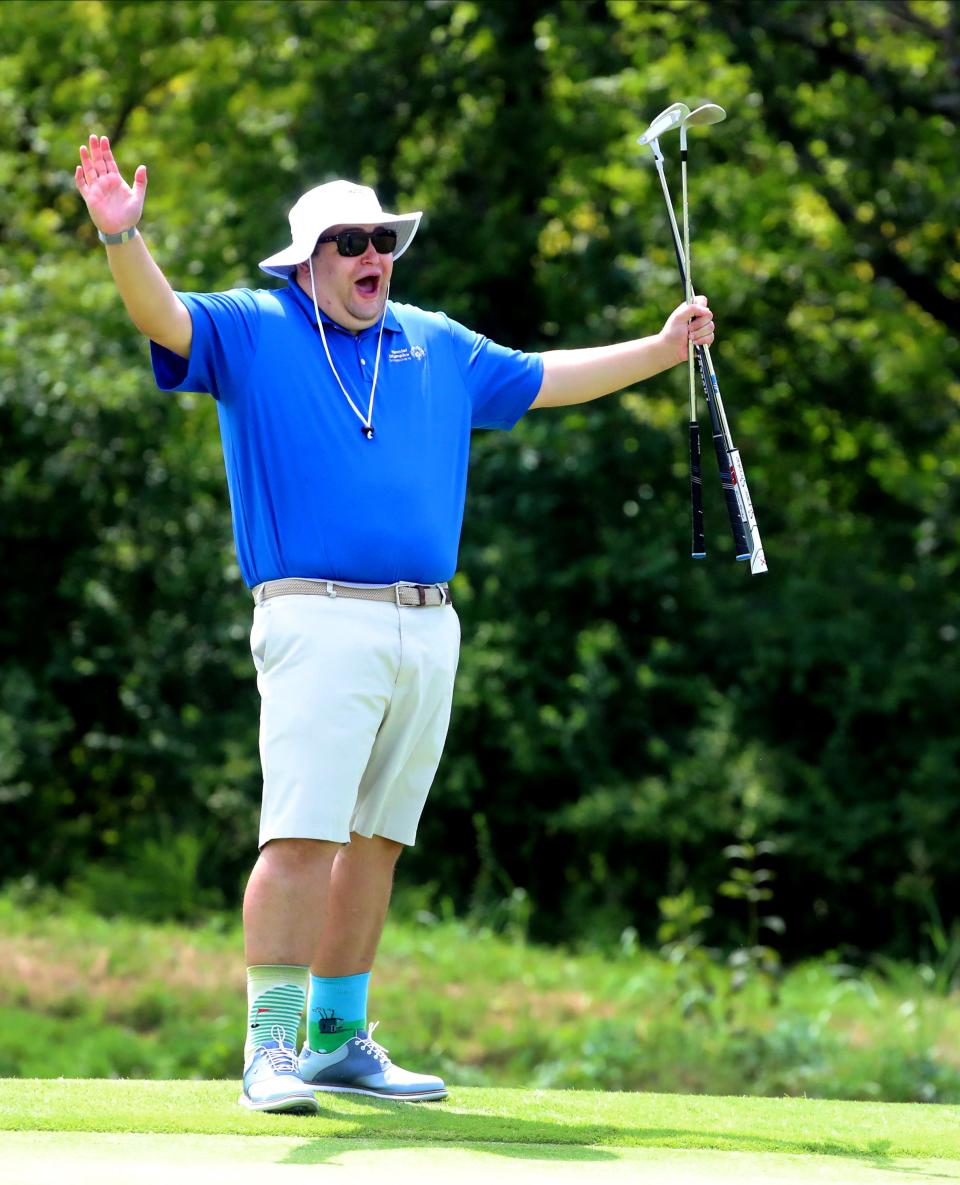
{"x": 354, "y": 242}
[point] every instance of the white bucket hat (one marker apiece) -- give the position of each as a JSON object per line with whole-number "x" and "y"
{"x": 337, "y": 202}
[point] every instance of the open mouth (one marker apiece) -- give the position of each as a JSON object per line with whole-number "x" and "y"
{"x": 368, "y": 285}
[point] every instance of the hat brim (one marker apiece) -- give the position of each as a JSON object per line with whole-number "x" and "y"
{"x": 284, "y": 263}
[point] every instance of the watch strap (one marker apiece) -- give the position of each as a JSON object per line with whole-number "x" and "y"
{"x": 122, "y": 236}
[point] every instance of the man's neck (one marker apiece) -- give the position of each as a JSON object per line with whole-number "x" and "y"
{"x": 323, "y": 312}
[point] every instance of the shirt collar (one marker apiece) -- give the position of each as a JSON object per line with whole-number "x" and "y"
{"x": 390, "y": 322}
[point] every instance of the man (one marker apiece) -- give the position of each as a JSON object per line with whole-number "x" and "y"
{"x": 345, "y": 421}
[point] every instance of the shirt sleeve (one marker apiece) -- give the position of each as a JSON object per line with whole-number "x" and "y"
{"x": 226, "y": 328}
{"x": 501, "y": 383}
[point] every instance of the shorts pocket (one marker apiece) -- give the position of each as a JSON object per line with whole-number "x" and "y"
{"x": 259, "y": 636}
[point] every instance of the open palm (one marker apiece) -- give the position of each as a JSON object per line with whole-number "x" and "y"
{"x": 113, "y": 204}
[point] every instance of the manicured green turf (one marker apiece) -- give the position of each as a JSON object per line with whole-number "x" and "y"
{"x": 479, "y": 1115}
{"x": 83, "y": 1158}
{"x": 110, "y": 1132}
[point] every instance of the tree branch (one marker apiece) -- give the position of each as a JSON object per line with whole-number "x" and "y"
{"x": 127, "y": 107}
{"x": 830, "y": 55}
{"x": 953, "y": 41}
{"x": 902, "y": 11}
{"x": 917, "y": 286}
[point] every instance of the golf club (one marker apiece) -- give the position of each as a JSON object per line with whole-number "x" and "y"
{"x": 743, "y": 522}
{"x": 665, "y": 122}
{"x": 737, "y": 520}
{"x": 708, "y": 113}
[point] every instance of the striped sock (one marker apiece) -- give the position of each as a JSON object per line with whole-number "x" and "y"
{"x": 275, "y": 998}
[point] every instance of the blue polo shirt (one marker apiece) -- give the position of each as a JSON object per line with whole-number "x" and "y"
{"x": 309, "y": 494}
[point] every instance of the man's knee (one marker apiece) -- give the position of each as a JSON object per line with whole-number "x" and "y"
{"x": 294, "y": 855}
{"x": 374, "y": 847}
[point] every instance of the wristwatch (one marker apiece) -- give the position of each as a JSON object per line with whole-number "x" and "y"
{"x": 122, "y": 236}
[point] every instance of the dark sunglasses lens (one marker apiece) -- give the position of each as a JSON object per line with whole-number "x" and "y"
{"x": 384, "y": 241}
{"x": 352, "y": 242}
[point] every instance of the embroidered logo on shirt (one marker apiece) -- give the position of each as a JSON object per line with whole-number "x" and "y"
{"x": 405, "y": 355}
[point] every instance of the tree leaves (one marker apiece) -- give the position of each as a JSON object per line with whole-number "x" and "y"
{"x": 620, "y": 711}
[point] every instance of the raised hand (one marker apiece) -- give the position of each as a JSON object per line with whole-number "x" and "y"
{"x": 113, "y": 205}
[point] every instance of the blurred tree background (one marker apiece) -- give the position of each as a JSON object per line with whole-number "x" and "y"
{"x": 623, "y": 714}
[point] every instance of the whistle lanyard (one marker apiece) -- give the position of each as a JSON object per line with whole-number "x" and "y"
{"x": 365, "y": 421}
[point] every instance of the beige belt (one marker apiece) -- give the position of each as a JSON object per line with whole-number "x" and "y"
{"x": 413, "y": 596}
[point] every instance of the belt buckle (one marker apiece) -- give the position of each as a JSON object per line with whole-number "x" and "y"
{"x": 421, "y": 590}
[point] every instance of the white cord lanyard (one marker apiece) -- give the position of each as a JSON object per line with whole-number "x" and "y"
{"x": 366, "y": 421}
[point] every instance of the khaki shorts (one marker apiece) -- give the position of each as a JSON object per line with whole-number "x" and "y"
{"x": 355, "y": 701}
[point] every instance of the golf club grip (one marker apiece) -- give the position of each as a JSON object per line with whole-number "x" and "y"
{"x": 699, "y": 548}
{"x": 730, "y": 496}
{"x": 711, "y": 392}
{"x": 707, "y": 388}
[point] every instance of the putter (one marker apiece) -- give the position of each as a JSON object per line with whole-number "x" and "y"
{"x": 743, "y": 523}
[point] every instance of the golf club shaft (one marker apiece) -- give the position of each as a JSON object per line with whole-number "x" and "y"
{"x": 698, "y": 547}
{"x": 711, "y": 392}
{"x": 688, "y": 286}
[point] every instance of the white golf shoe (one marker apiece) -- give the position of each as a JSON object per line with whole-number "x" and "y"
{"x": 362, "y": 1066}
{"x": 272, "y": 1082}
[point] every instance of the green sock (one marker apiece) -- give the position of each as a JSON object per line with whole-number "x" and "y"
{"x": 275, "y": 998}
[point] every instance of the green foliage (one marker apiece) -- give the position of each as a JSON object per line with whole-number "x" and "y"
{"x": 698, "y": 991}
{"x": 481, "y": 1008}
{"x": 619, "y": 710}
{"x": 156, "y": 882}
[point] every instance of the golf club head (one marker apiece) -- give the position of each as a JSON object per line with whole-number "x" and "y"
{"x": 670, "y": 117}
{"x": 706, "y": 114}
{"x": 667, "y": 110}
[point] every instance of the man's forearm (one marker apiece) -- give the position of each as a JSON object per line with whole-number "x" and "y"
{"x": 577, "y": 376}
{"x": 148, "y": 297}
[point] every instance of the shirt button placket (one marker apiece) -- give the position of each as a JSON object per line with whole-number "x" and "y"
{"x": 364, "y": 370}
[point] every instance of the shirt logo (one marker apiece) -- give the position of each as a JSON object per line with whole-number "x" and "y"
{"x": 405, "y": 355}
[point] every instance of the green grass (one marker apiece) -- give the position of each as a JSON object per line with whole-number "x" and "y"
{"x": 109, "y": 1133}
{"x": 480, "y": 1115}
{"x": 131, "y": 999}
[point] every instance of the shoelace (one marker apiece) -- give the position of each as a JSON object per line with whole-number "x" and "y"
{"x": 368, "y": 1045}
{"x": 284, "y": 1059}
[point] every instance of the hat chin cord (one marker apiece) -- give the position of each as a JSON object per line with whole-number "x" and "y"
{"x": 366, "y": 421}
